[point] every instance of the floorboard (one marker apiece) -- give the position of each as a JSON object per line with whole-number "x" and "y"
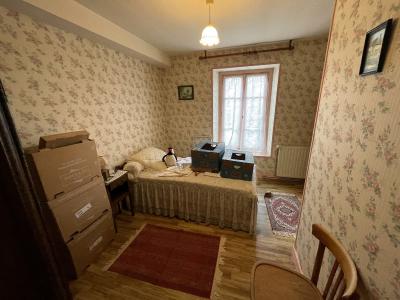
{"x": 239, "y": 254}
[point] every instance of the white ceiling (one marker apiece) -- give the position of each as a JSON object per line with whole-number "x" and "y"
{"x": 175, "y": 25}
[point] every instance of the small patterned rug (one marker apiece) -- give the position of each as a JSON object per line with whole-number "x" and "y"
{"x": 283, "y": 212}
{"x": 175, "y": 259}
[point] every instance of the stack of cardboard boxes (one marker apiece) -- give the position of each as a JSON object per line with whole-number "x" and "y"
{"x": 66, "y": 171}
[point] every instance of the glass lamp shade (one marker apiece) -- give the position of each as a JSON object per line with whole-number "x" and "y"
{"x": 209, "y": 36}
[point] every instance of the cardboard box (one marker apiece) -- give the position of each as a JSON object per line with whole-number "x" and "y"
{"x": 64, "y": 169}
{"x": 237, "y": 165}
{"x": 206, "y": 157}
{"x": 78, "y": 209}
{"x": 63, "y": 139}
{"x": 86, "y": 246}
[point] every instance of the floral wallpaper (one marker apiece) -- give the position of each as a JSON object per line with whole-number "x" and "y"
{"x": 56, "y": 82}
{"x": 353, "y": 183}
{"x": 298, "y": 87}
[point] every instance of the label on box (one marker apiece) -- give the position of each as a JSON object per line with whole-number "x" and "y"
{"x": 96, "y": 242}
{"x": 83, "y": 210}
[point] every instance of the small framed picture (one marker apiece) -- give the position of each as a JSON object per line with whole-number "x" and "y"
{"x": 186, "y": 92}
{"x": 375, "y": 48}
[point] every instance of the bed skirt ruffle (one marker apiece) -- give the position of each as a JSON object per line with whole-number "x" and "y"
{"x": 197, "y": 203}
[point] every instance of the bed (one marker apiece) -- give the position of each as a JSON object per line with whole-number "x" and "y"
{"x": 203, "y": 198}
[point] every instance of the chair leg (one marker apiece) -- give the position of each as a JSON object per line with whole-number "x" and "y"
{"x": 115, "y": 224}
{"x": 131, "y": 206}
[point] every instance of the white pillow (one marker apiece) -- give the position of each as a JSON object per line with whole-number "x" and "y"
{"x": 150, "y": 153}
{"x": 134, "y": 168}
{"x": 156, "y": 165}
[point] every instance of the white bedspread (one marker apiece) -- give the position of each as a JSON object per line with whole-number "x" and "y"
{"x": 204, "y": 199}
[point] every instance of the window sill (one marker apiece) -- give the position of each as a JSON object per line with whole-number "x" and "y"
{"x": 264, "y": 155}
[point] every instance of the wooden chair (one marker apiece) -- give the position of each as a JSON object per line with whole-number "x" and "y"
{"x": 270, "y": 281}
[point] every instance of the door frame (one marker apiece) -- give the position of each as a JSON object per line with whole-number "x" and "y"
{"x": 21, "y": 202}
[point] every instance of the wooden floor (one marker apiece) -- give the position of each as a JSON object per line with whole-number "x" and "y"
{"x": 239, "y": 254}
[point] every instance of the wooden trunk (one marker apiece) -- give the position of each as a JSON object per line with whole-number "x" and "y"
{"x": 206, "y": 157}
{"x": 237, "y": 165}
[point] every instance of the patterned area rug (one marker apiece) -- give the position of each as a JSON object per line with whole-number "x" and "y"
{"x": 283, "y": 212}
{"x": 170, "y": 258}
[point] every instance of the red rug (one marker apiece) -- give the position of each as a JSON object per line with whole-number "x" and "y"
{"x": 283, "y": 212}
{"x": 170, "y": 258}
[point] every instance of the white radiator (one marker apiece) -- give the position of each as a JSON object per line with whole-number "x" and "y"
{"x": 292, "y": 161}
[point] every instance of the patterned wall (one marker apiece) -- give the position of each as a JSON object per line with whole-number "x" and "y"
{"x": 56, "y": 81}
{"x": 354, "y": 177}
{"x": 300, "y": 75}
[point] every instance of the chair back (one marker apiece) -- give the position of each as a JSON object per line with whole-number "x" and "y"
{"x": 342, "y": 280}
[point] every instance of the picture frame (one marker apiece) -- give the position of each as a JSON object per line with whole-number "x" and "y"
{"x": 186, "y": 92}
{"x": 375, "y": 48}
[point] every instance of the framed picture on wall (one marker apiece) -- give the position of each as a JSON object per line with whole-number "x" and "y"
{"x": 186, "y": 92}
{"x": 375, "y": 48}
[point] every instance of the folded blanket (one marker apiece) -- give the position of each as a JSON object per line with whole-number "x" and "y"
{"x": 185, "y": 161}
{"x": 209, "y": 174}
{"x": 176, "y": 171}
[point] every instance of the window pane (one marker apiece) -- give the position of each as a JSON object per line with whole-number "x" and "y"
{"x": 251, "y": 140}
{"x": 244, "y": 116}
{"x": 255, "y": 114}
{"x": 231, "y": 111}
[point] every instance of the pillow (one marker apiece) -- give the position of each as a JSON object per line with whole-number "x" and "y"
{"x": 149, "y": 153}
{"x": 155, "y": 165}
{"x": 134, "y": 168}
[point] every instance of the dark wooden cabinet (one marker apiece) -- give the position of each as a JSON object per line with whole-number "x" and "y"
{"x": 118, "y": 190}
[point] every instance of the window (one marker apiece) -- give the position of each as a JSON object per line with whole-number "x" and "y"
{"x": 244, "y": 105}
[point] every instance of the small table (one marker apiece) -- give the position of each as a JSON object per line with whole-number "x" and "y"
{"x": 273, "y": 282}
{"x": 118, "y": 189}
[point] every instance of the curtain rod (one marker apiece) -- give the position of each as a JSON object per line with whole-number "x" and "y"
{"x": 289, "y": 47}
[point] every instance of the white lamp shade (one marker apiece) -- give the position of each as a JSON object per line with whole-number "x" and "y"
{"x": 209, "y": 36}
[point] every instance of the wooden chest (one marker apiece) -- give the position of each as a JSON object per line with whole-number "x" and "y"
{"x": 237, "y": 165}
{"x": 206, "y": 157}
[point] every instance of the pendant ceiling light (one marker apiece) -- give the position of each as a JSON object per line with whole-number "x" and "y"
{"x": 209, "y": 36}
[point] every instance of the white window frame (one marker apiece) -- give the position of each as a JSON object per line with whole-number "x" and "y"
{"x": 274, "y": 68}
